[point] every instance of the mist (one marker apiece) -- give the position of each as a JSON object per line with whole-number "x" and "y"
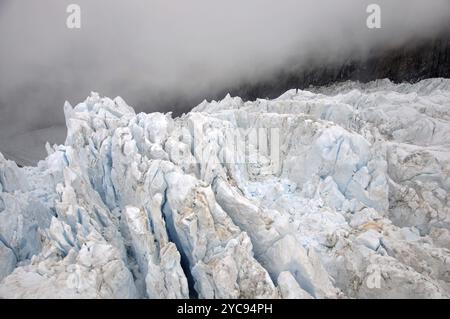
{"x": 153, "y": 52}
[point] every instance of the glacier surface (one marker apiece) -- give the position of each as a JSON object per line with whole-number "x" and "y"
{"x": 335, "y": 192}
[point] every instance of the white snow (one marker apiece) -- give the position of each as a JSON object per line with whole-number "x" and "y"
{"x": 338, "y": 192}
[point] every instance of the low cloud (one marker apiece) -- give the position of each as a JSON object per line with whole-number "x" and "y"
{"x": 155, "y": 51}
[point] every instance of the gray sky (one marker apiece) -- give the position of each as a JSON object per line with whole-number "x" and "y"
{"x": 148, "y": 50}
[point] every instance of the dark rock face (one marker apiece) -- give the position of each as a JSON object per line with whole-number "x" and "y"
{"x": 428, "y": 58}
{"x": 411, "y": 63}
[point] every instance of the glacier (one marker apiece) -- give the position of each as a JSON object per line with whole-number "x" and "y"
{"x": 331, "y": 192}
